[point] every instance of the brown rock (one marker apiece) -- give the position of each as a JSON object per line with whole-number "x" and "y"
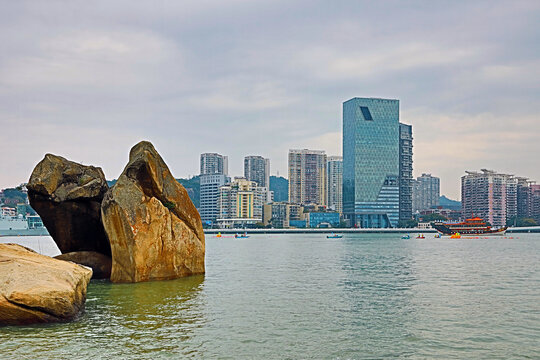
{"x": 68, "y": 196}
{"x": 154, "y": 229}
{"x": 99, "y": 263}
{"x": 35, "y": 288}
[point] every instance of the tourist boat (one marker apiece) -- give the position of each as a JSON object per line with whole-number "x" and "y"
{"x": 406, "y": 237}
{"x": 334, "y": 236}
{"x": 473, "y": 226}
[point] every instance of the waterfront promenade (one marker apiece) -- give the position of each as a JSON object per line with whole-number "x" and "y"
{"x": 531, "y": 229}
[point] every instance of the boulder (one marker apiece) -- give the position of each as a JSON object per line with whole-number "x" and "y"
{"x": 99, "y": 263}
{"x": 154, "y": 229}
{"x": 35, "y": 288}
{"x": 68, "y": 196}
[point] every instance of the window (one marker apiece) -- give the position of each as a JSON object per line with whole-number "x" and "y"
{"x": 366, "y": 113}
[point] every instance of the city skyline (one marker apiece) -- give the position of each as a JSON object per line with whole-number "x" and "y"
{"x": 87, "y": 86}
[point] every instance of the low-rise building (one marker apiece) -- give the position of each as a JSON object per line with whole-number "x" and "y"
{"x": 323, "y": 219}
{"x": 280, "y": 214}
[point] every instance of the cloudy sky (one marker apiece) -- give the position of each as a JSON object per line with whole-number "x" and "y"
{"x": 89, "y": 79}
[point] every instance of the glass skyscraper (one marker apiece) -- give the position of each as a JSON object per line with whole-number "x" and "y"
{"x": 371, "y": 162}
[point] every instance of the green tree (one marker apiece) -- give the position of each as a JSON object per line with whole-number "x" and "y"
{"x": 433, "y": 217}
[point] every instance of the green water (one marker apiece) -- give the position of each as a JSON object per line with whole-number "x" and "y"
{"x": 305, "y": 296}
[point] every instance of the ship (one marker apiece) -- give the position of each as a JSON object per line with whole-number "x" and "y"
{"x": 20, "y": 225}
{"x": 473, "y": 226}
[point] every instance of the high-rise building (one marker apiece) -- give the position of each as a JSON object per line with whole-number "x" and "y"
{"x": 307, "y": 177}
{"x": 371, "y": 162}
{"x": 209, "y": 194}
{"x": 240, "y": 203}
{"x": 426, "y": 192}
{"x": 212, "y": 164}
{"x": 405, "y": 171}
{"x": 489, "y": 195}
{"x": 334, "y": 175}
{"x": 534, "y": 207}
{"x": 257, "y": 169}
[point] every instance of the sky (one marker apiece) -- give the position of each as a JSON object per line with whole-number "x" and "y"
{"x": 89, "y": 79}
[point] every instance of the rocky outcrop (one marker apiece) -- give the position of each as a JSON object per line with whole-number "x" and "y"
{"x": 68, "y": 196}
{"x": 35, "y": 288}
{"x": 155, "y": 231}
{"x": 99, "y": 263}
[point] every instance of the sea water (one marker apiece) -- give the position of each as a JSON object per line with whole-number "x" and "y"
{"x": 365, "y": 296}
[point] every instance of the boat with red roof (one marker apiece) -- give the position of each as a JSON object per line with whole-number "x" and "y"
{"x": 473, "y": 226}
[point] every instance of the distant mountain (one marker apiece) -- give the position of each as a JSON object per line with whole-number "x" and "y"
{"x": 192, "y": 186}
{"x": 280, "y": 187}
{"x": 449, "y": 204}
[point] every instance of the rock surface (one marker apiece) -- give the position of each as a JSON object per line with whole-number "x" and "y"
{"x": 154, "y": 229}
{"x": 35, "y": 288}
{"x": 68, "y": 196}
{"x": 99, "y": 263}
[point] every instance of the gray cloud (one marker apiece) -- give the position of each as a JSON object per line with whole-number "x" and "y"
{"x": 88, "y": 80}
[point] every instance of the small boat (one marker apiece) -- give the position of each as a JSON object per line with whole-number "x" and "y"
{"x": 437, "y": 236}
{"x": 218, "y": 234}
{"x": 406, "y": 237}
{"x": 241, "y": 236}
{"x": 334, "y": 236}
{"x": 455, "y": 236}
{"x": 421, "y": 236}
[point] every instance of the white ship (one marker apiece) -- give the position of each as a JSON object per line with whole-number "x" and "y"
{"x": 30, "y": 225}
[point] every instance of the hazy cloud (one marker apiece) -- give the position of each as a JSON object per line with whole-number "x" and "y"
{"x": 87, "y": 80}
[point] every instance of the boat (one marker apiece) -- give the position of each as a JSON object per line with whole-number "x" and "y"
{"x": 455, "y": 236}
{"x": 406, "y": 237}
{"x": 473, "y": 226}
{"x": 437, "y": 236}
{"x": 334, "y": 236}
{"x": 218, "y": 234}
{"x": 421, "y": 236}
{"x": 241, "y": 236}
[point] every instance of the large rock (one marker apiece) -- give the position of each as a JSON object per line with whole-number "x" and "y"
{"x": 35, "y": 288}
{"x": 154, "y": 229}
{"x": 68, "y": 196}
{"x": 100, "y": 264}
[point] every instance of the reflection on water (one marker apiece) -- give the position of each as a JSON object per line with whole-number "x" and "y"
{"x": 305, "y": 296}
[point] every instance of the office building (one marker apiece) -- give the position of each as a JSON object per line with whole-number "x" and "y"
{"x": 322, "y": 219}
{"x": 426, "y": 192}
{"x": 405, "y": 171}
{"x": 214, "y": 164}
{"x": 240, "y": 203}
{"x": 209, "y": 194}
{"x": 334, "y": 174}
{"x": 371, "y": 162}
{"x": 307, "y": 177}
{"x": 489, "y": 195}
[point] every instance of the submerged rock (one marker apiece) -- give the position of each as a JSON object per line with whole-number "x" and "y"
{"x": 67, "y": 196}
{"x": 35, "y": 288}
{"x": 99, "y": 263}
{"x": 155, "y": 231}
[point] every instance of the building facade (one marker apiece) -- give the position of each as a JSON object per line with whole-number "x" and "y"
{"x": 320, "y": 219}
{"x": 489, "y": 195}
{"x": 334, "y": 185}
{"x": 209, "y": 195}
{"x": 371, "y": 162}
{"x": 426, "y": 192}
{"x": 279, "y": 214}
{"x": 257, "y": 169}
{"x": 405, "y": 171}
{"x": 240, "y": 203}
{"x": 307, "y": 177}
{"x": 214, "y": 164}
